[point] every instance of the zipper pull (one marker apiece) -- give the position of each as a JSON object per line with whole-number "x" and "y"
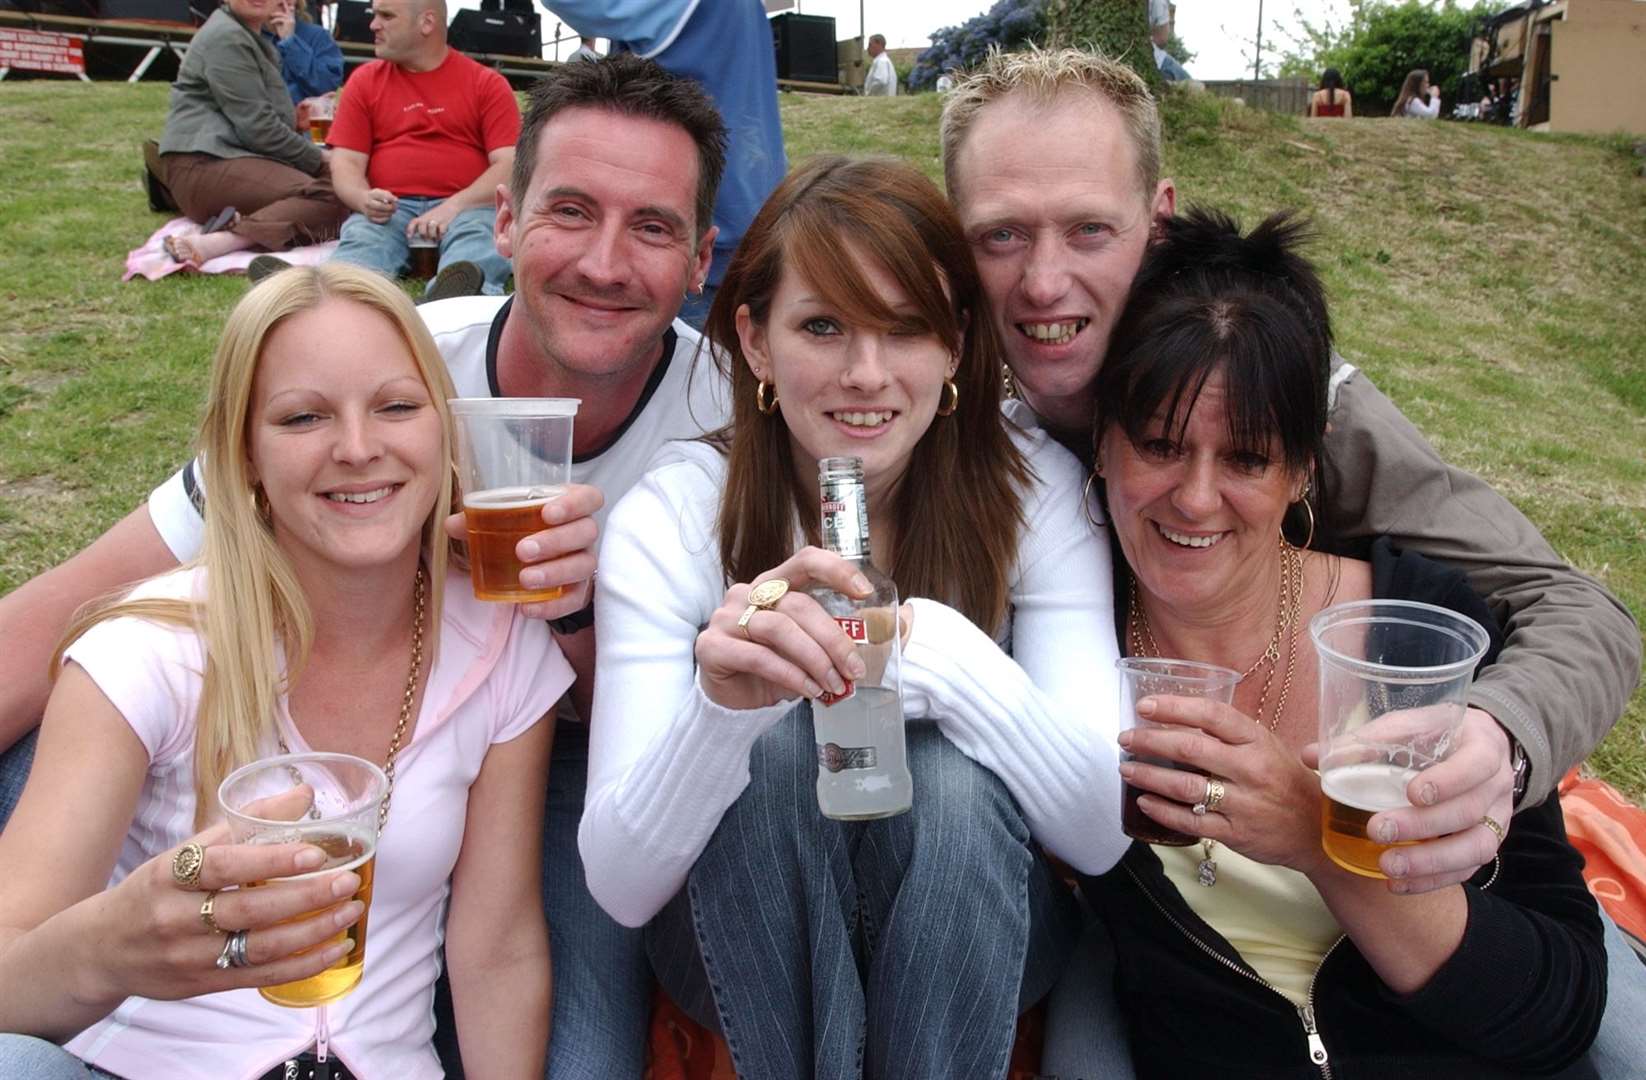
{"x": 1317, "y": 1045}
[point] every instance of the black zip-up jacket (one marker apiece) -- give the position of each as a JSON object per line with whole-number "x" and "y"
{"x": 1522, "y": 996}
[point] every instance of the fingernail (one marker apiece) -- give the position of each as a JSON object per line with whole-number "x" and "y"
{"x": 345, "y": 884}
{"x": 837, "y": 684}
{"x": 309, "y": 858}
{"x": 813, "y": 690}
{"x": 855, "y": 667}
{"x": 1125, "y": 739}
{"x": 528, "y": 549}
{"x": 1146, "y": 707}
{"x": 1395, "y": 866}
{"x": 1427, "y": 795}
{"x": 1127, "y": 769}
{"x": 348, "y": 913}
{"x": 1387, "y": 833}
{"x": 861, "y": 583}
{"x": 334, "y": 953}
{"x": 1399, "y": 888}
{"x": 554, "y": 513}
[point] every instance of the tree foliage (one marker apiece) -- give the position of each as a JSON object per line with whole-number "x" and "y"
{"x": 1009, "y": 24}
{"x": 1382, "y": 41}
{"x": 1119, "y": 28}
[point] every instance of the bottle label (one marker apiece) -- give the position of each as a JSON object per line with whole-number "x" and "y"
{"x": 836, "y": 758}
{"x": 846, "y": 518}
{"x": 858, "y": 631}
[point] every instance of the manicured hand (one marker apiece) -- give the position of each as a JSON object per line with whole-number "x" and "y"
{"x": 562, "y": 554}
{"x": 1270, "y": 811}
{"x": 1448, "y": 800}
{"x": 146, "y": 937}
{"x": 794, "y": 649}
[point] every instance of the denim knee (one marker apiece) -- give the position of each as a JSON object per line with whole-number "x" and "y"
{"x": 378, "y": 247}
{"x": 37, "y": 1059}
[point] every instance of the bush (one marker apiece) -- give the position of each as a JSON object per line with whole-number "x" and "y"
{"x": 1383, "y": 41}
{"x": 1009, "y": 24}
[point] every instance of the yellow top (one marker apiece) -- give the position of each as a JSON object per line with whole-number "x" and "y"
{"x": 1271, "y": 915}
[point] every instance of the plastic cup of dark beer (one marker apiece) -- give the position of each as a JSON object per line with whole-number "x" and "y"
{"x": 513, "y": 456}
{"x": 1141, "y": 677}
{"x": 423, "y": 257}
{"x": 1394, "y": 675}
{"x": 332, "y": 802}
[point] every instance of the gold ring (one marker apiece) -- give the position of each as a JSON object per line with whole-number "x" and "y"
{"x": 186, "y": 864}
{"x": 1214, "y": 794}
{"x": 1497, "y": 830}
{"x": 763, "y": 597}
{"x": 206, "y": 915}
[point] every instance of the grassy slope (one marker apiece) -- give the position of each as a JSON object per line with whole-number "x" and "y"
{"x": 1489, "y": 281}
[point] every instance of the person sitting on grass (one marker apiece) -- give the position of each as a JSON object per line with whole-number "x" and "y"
{"x": 310, "y": 60}
{"x": 231, "y": 142}
{"x": 422, "y": 139}
{"x": 323, "y": 615}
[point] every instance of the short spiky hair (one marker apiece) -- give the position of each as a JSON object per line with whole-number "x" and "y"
{"x": 627, "y": 85}
{"x": 1047, "y": 76}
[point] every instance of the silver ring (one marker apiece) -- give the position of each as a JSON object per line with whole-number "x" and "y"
{"x": 236, "y": 950}
{"x": 223, "y": 961}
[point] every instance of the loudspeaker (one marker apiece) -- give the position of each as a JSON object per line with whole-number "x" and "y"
{"x": 805, "y": 47}
{"x": 353, "y": 22}
{"x": 171, "y": 11}
{"x": 510, "y": 33}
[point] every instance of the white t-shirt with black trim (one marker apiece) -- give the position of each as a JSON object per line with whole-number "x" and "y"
{"x": 685, "y": 397}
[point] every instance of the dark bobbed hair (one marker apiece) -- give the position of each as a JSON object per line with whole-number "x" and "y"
{"x": 628, "y": 85}
{"x": 947, "y": 546}
{"x": 1208, "y": 300}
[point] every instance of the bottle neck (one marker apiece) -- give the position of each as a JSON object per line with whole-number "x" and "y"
{"x": 845, "y": 504}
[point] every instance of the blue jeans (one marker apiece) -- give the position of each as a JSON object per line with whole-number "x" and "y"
{"x": 904, "y": 947}
{"x": 23, "y": 1056}
{"x": 14, "y": 772}
{"x": 1086, "y": 1033}
{"x": 695, "y": 309}
{"x": 384, "y": 247}
{"x": 602, "y": 980}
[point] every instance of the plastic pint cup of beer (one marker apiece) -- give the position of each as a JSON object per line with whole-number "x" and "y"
{"x": 1393, "y": 679}
{"x": 321, "y": 111}
{"x": 1141, "y": 677}
{"x": 513, "y": 456}
{"x": 330, "y": 801}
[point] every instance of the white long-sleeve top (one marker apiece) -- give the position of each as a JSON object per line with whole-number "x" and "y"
{"x": 665, "y": 762}
{"x": 1419, "y": 111}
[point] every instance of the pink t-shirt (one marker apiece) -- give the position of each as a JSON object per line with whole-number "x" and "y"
{"x": 495, "y": 675}
{"x": 426, "y": 132}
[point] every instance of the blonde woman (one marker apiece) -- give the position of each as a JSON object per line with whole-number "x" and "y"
{"x": 321, "y": 616}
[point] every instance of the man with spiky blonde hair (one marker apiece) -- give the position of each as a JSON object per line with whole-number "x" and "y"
{"x": 1052, "y": 159}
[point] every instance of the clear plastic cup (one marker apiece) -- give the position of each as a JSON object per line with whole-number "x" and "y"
{"x": 1139, "y": 678}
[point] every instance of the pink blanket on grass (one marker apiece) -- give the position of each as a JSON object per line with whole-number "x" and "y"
{"x": 151, "y": 261}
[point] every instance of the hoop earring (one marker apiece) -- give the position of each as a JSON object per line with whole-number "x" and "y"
{"x": 1086, "y": 499}
{"x": 1310, "y": 510}
{"x": 765, "y": 398}
{"x": 953, "y": 392}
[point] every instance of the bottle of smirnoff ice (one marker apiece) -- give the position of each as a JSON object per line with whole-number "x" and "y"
{"x": 862, "y": 769}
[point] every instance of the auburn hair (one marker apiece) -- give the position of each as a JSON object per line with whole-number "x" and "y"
{"x": 958, "y": 512}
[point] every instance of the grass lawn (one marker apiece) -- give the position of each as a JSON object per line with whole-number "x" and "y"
{"x": 1490, "y": 281}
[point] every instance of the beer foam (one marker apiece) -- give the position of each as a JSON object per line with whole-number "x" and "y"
{"x": 1370, "y": 786}
{"x": 513, "y": 498}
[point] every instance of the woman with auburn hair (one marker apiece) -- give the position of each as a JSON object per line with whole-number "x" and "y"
{"x": 852, "y": 324}
{"x": 322, "y": 616}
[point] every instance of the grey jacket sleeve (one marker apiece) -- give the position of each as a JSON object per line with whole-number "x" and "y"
{"x": 1572, "y": 654}
{"x": 240, "y": 86}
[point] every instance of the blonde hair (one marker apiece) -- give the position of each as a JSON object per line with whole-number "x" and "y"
{"x": 1047, "y": 76}
{"x": 254, "y": 602}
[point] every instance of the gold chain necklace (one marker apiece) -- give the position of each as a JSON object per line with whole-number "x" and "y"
{"x": 1288, "y": 612}
{"x": 419, "y": 598}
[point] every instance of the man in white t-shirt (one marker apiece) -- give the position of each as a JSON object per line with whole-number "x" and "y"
{"x": 881, "y": 80}
{"x": 606, "y": 221}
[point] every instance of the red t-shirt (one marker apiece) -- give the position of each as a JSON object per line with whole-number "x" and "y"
{"x": 426, "y": 132}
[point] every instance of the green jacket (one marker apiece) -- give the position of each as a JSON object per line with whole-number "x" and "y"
{"x": 230, "y": 100}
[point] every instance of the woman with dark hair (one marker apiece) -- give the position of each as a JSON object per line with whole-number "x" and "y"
{"x": 1331, "y": 99}
{"x": 1252, "y": 954}
{"x": 852, "y": 324}
{"x": 1418, "y": 98}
